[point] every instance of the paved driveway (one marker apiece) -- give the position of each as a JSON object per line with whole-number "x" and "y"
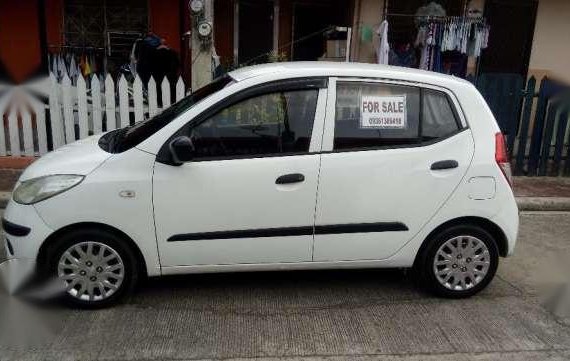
{"x": 327, "y": 315}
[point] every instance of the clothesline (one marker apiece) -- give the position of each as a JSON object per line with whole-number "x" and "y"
{"x": 75, "y": 47}
{"x": 479, "y": 19}
{"x": 449, "y": 19}
{"x": 436, "y": 17}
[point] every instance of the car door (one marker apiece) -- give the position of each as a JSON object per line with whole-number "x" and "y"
{"x": 248, "y": 196}
{"x": 396, "y": 152}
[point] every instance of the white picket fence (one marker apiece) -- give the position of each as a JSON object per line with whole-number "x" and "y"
{"x": 31, "y": 128}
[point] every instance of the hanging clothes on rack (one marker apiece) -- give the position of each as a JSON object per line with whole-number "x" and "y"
{"x": 437, "y": 35}
{"x": 53, "y": 64}
{"x": 73, "y": 71}
{"x": 383, "y": 50}
{"x": 466, "y": 35}
{"x": 61, "y": 67}
{"x": 74, "y": 61}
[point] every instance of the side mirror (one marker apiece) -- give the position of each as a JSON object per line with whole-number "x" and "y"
{"x": 181, "y": 150}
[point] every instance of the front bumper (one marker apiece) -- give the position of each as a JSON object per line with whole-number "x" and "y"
{"x": 24, "y": 231}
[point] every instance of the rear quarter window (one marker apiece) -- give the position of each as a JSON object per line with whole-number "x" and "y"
{"x": 439, "y": 117}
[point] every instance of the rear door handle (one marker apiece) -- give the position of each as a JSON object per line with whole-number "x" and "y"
{"x": 444, "y": 164}
{"x": 290, "y": 178}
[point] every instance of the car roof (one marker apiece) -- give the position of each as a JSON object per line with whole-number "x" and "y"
{"x": 344, "y": 69}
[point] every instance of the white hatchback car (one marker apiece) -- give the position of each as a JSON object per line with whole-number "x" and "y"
{"x": 278, "y": 167}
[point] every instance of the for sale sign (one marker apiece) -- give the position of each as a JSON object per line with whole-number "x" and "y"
{"x": 383, "y": 112}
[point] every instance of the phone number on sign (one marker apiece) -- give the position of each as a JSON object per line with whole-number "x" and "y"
{"x": 385, "y": 121}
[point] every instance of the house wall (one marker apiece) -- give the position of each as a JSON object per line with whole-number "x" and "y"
{"x": 164, "y": 20}
{"x": 551, "y": 48}
{"x": 20, "y": 49}
{"x": 368, "y": 15}
{"x": 54, "y": 22}
{"x": 224, "y": 30}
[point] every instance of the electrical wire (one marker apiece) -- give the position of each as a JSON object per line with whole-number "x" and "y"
{"x": 322, "y": 31}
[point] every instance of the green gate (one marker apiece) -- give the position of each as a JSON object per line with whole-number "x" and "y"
{"x": 536, "y": 124}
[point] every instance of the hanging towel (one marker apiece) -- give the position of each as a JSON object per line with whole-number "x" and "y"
{"x": 61, "y": 68}
{"x": 73, "y": 70}
{"x": 53, "y": 64}
{"x": 93, "y": 64}
{"x": 82, "y": 64}
{"x": 87, "y": 70}
{"x": 366, "y": 33}
{"x": 383, "y": 51}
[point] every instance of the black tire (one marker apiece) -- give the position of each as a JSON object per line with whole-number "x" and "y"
{"x": 102, "y": 236}
{"x": 424, "y": 265}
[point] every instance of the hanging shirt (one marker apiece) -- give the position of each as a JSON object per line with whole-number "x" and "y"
{"x": 73, "y": 70}
{"x": 421, "y": 43}
{"x": 61, "y": 68}
{"x": 93, "y": 64}
{"x": 383, "y": 51}
{"x": 53, "y": 64}
{"x": 87, "y": 70}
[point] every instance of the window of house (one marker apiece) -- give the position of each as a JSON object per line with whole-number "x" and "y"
{"x": 370, "y": 115}
{"x": 270, "y": 124}
{"x": 103, "y": 30}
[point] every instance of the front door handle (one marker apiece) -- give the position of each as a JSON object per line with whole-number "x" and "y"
{"x": 290, "y": 178}
{"x": 444, "y": 164}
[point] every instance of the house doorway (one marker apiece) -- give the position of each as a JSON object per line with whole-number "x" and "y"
{"x": 308, "y": 20}
{"x": 510, "y": 41}
{"x": 255, "y": 31}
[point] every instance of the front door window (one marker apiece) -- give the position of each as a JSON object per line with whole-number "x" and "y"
{"x": 267, "y": 125}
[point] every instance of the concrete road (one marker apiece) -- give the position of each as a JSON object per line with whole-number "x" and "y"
{"x": 327, "y": 315}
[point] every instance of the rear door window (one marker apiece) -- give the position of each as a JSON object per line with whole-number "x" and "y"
{"x": 370, "y": 115}
{"x": 378, "y": 115}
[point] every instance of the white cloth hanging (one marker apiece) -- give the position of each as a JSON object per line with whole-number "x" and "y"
{"x": 53, "y": 68}
{"x": 61, "y": 68}
{"x": 383, "y": 50}
{"x": 73, "y": 73}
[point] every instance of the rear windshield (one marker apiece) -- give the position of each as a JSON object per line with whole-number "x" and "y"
{"x": 122, "y": 139}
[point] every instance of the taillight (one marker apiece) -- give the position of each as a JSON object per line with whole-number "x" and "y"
{"x": 502, "y": 157}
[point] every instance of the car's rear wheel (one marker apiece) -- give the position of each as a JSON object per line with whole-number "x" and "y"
{"x": 458, "y": 262}
{"x": 96, "y": 267}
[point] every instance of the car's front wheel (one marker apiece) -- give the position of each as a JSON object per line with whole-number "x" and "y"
{"x": 458, "y": 262}
{"x": 96, "y": 267}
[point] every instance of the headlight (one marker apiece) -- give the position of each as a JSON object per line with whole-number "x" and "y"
{"x": 38, "y": 189}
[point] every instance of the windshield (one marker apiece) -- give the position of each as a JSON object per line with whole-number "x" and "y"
{"x": 125, "y": 138}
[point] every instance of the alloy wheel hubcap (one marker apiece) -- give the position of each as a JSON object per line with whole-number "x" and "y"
{"x": 92, "y": 271}
{"x": 461, "y": 263}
